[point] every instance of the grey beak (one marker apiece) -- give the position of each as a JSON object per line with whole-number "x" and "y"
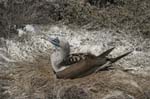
{"x": 54, "y": 41}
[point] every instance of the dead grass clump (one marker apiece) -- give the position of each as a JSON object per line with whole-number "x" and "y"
{"x": 130, "y": 15}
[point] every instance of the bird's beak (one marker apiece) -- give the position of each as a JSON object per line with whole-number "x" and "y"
{"x": 54, "y": 41}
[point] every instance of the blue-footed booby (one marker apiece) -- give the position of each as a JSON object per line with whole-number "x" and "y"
{"x": 67, "y": 65}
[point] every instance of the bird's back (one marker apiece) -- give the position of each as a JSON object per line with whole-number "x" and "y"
{"x": 75, "y": 58}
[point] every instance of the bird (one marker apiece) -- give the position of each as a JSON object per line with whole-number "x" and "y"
{"x": 68, "y": 65}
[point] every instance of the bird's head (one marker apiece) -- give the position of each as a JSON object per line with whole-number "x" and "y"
{"x": 60, "y": 43}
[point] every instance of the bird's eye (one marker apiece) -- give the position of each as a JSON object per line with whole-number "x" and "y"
{"x": 56, "y": 40}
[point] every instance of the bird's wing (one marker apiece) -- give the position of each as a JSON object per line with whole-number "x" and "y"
{"x": 74, "y": 58}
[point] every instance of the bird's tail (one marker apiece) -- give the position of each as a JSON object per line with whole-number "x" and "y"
{"x": 104, "y": 54}
{"x": 112, "y": 60}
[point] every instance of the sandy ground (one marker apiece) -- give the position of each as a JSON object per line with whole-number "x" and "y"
{"x": 29, "y": 69}
{"x": 25, "y": 68}
{"x": 82, "y": 40}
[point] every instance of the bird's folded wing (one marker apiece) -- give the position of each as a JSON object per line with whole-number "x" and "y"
{"x": 88, "y": 65}
{"x": 74, "y": 70}
{"x": 74, "y": 58}
{"x": 85, "y": 64}
{"x": 78, "y": 69}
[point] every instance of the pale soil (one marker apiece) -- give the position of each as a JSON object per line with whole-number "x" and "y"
{"x": 25, "y": 58}
{"x": 32, "y": 76}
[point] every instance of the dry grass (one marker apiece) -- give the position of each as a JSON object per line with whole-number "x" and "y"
{"x": 128, "y": 15}
{"x": 36, "y": 80}
{"x": 32, "y": 80}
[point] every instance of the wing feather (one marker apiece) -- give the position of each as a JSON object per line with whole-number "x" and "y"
{"x": 73, "y": 58}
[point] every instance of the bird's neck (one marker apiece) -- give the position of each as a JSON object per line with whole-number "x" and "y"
{"x": 64, "y": 53}
{"x": 57, "y": 57}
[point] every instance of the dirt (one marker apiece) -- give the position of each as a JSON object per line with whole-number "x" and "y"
{"x": 25, "y": 67}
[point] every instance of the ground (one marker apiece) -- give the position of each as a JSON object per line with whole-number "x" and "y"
{"x": 25, "y": 57}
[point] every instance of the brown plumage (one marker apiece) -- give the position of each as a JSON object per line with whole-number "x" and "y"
{"x": 66, "y": 65}
{"x": 88, "y": 65}
{"x": 74, "y": 58}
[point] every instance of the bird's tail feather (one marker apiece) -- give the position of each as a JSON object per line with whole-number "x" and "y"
{"x": 104, "y": 54}
{"x": 119, "y": 57}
